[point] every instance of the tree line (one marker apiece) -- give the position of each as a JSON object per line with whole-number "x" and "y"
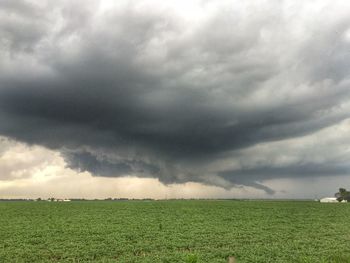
{"x": 343, "y": 194}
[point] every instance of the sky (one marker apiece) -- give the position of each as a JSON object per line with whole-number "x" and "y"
{"x": 174, "y": 99}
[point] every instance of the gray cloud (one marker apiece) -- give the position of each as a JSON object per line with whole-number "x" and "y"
{"x": 103, "y": 166}
{"x": 137, "y": 89}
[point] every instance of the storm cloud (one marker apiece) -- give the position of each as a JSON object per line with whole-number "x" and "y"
{"x": 185, "y": 92}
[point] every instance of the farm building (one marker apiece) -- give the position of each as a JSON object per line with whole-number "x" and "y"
{"x": 329, "y": 200}
{"x": 58, "y": 200}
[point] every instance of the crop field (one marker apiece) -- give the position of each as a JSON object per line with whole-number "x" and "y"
{"x": 174, "y": 231}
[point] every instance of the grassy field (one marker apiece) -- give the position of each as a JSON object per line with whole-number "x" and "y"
{"x": 174, "y": 231}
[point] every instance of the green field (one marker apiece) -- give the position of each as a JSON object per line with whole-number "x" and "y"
{"x": 174, "y": 231}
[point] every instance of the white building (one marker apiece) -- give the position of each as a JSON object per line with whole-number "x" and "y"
{"x": 329, "y": 200}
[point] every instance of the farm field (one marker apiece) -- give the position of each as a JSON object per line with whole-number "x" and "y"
{"x": 174, "y": 231}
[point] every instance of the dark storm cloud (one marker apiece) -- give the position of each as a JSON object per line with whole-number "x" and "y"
{"x": 251, "y": 176}
{"x": 136, "y": 89}
{"x": 85, "y": 161}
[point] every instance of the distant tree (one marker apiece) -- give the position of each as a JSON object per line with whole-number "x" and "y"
{"x": 343, "y": 194}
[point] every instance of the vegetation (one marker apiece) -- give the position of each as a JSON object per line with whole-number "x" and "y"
{"x": 174, "y": 231}
{"x": 343, "y": 195}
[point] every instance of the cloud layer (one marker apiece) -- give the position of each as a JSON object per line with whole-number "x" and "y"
{"x": 185, "y": 92}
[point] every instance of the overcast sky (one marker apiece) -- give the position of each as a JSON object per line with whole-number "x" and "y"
{"x": 174, "y": 98}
